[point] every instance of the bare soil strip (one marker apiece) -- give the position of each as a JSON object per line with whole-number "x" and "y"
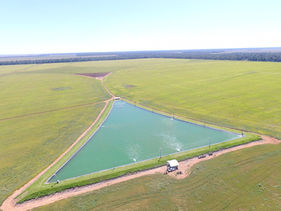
{"x": 10, "y": 202}
{"x": 101, "y": 78}
{"x": 48, "y": 111}
{"x": 95, "y": 75}
{"x": 184, "y": 167}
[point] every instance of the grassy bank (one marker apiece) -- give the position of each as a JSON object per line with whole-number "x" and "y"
{"x": 41, "y": 184}
{"x": 39, "y": 188}
{"x": 247, "y": 179}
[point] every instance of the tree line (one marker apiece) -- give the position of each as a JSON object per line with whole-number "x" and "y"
{"x": 180, "y": 54}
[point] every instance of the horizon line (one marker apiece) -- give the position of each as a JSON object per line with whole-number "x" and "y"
{"x": 121, "y": 51}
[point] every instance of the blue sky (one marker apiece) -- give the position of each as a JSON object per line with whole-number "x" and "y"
{"x": 54, "y": 26}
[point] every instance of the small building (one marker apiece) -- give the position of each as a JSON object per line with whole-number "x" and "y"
{"x": 116, "y": 98}
{"x": 172, "y": 165}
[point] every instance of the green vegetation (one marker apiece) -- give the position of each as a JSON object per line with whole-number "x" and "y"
{"x": 40, "y": 116}
{"x": 25, "y": 94}
{"x": 242, "y": 95}
{"x": 250, "y": 54}
{"x": 44, "y": 189}
{"x": 50, "y": 115}
{"x": 247, "y": 179}
{"x": 39, "y": 188}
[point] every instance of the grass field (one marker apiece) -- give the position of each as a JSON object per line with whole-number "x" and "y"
{"x": 244, "y": 95}
{"x": 40, "y": 116}
{"x": 247, "y": 179}
{"x": 44, "y": 108}
{"x": 39, "y": 188}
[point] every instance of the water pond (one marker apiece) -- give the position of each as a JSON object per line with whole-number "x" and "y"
{"x": 132, "y": 134}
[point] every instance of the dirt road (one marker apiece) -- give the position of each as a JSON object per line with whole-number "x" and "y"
{"x": 184, "y": 167}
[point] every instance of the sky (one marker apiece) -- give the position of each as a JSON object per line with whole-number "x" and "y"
{"x": 61, "y": 26}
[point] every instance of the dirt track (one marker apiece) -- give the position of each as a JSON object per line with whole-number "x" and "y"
{"x": 185, "y": 168}
{"x": 95, "y": 75}
{"x": 9, "y": 203}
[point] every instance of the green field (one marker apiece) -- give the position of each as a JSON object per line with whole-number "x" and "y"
{"x": 244, "y": 95}
{"x": 44, "y": 108}
{"x": 40, "y": 116}
{"x": 247, "y": 179}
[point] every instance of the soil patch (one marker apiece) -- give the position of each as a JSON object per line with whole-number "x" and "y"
{"x": 95, "y": 75}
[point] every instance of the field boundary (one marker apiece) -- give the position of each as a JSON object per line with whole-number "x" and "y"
{"x": 127, "y": 165}
{"x": 209, "y": 124}
{"x": 185, "y": 166}
{"x": 171, "y": 154}
{"x": 84, "y": 143}
{"x": 188, "y": 120}
{"x": 12, "y": 199}
{"x": 37, "y": 187}
{"x": 40, "y": 188}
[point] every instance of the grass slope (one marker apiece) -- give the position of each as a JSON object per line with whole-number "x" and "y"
{"x": 247, "y": 179}
{"x": 243, "y": 95}
{"x": 40, "y": 116}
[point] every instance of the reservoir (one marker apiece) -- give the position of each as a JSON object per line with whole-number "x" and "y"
{"x": 132, "y": 134}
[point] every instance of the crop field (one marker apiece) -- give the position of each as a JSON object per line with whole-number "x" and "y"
{"x": 247, "y": 179}
{"x": 40, "y": 116}
{"x": 44, "y": 108}
{"x": 244, "y": 95}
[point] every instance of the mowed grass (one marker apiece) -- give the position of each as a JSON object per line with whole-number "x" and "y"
{"x": 240, "y": 94}
{"x": 40, "y": 116}
{"x": 247, "y": 179}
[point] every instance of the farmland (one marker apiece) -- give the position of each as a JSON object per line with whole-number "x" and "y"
{"x": 243, "y": 95}
{"x": 41, "y": 114}
{"x": 247, "y": 179}
{"x": 44, "y": 108}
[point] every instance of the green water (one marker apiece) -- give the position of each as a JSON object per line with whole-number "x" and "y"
{"x": 131, "y": 134}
